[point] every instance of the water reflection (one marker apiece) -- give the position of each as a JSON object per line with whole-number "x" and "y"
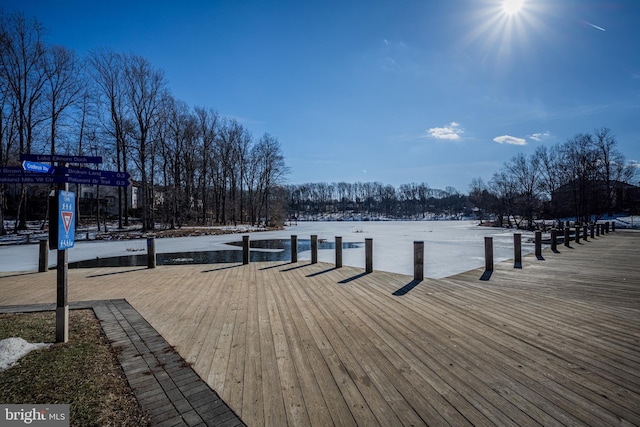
{"x": 261, "y": 250}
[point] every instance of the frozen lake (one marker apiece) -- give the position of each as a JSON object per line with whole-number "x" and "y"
{"x": 451, "y": 247}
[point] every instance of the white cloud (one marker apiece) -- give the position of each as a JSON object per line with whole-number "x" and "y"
{"x": 508, "y": 139}
{"x": 452, "y": 131}
{"x": 540, "y": 136}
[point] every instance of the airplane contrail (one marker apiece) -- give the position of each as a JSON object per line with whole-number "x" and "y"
{"x": 594, "y": 26}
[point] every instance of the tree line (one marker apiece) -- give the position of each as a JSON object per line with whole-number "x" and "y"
{"x": 191, "y": 164}
{"x": 375, "y": 200}
{"x": 584, "y": 178}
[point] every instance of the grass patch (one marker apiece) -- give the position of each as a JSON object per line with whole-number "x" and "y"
{"x": 83, "y": 372}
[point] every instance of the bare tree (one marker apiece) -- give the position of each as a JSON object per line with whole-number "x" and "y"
{"x": 145, "y": 88}
{"x": 106, "y": 67}
{"x": 21, "y": 53}
{"x": 61, "y": 71}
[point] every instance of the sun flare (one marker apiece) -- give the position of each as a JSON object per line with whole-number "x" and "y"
{"x": 511, "y": 7}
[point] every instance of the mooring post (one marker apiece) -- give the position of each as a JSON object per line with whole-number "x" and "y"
{"x": 538, "y": 244}
{"x": 338, "y": 251}
{"x": 245, "y": 250}
{"x": 577, "y": 234}
{"x": 43, "y": 259}
{"x": 597, "y": 227}
{"x": 517, "y": 250}
{"x": 567, "y": 230}
{"x": 554, "y": 240}
{"x": 488, "y": 253}
{"x": 613, "y": 226}
{"x": 151, "y": 252}
{"x": 368, "y": 255}
{"x": 294, "y": 248}
{"x": 314, "y": 249}
{"x": 606, "y": 224}
{"x": 585, "y": 232}
{"x": 418, "y": 260}
{"x": 593, "y": 230}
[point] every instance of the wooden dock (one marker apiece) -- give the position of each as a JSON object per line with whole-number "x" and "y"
{"x": 554, "y": 343}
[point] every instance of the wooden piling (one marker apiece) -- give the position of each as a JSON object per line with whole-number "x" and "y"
{"x": 245, "y": 250}
{"x": 294, "y": 248}
{"x": 554, "y": 240}
{"x": 418, "y": 260}
{"x": 368, "y": 252}
{"x": 314, "y": 249}
{"x": 43, "y": 259}
{"x": 567, "y": 231}
{"x": 593, "y": 230}
{"x": 538, "y": 244}
{"x": 488, "y": 253}
{"x": 517, "y": 250}
{"x": 338, "y": 251}
{"x": 151, "y": 252}
{"x": 577, "y": 234}
{"x": 585, "y": 232}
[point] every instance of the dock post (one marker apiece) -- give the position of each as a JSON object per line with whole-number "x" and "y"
{"x": 593, "y": 231}
{"x": 517, "y": 250}
{"x": 613, "y": 226}
{"x": 577, "y": 234}
{"x": 606, "y": 225}
{"x": 597, "y": 226}
{"x": 554, "y": 240}
{"x": 338, "y": 251}
{"x": 585, "y": 232}
{"x": 488, "y": 253}
{"x": 245, "y": 250}
{"x": 294, "y": 248}
{"x": 43, "y": 259}
{"x": 566, "y": 236}
{"x": 151, "y": 252}
{"x": 539, "y": 245}
{"x": 368, "y": 255}
{"x": 418, "y": 260}
{"x": 314, "y": 249}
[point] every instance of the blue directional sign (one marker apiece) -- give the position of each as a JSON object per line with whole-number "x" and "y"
{"x": 37, "y": 167}
{"x": 29, "y": 178}
{"x": 11, "y": 170}
{"x": 59, "y": 158}
{"x": 66, "y": 219}
{"x": 92, "y": 173}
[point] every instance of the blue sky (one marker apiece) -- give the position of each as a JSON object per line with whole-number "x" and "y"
{"x": 394, "y": 91}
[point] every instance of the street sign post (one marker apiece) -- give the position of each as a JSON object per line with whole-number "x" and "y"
{"x": 62, "y": 209}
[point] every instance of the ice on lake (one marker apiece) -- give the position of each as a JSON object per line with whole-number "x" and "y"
{"x": 451, "y": 247}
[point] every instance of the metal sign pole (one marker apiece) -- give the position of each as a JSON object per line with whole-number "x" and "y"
{"x": 62, "y": 304}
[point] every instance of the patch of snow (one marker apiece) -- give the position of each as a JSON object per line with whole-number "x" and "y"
{"x": 13, "y": 349}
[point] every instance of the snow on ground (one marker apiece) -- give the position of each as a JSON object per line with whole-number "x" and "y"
{"x": 13, "y": 349}
{"x": 451, "y": 247}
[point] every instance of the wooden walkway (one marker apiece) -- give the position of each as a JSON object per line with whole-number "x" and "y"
{"x": 554, "y": 343}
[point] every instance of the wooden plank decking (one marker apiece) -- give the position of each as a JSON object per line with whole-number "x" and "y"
{"x": 554, "y": 343}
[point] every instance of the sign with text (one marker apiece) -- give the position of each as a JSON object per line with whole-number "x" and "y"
{"x": 37, "y": 167}
{"x": 62, "y": 208}
{"x": 60, "y": 158}
{"x": 66, "y": 224}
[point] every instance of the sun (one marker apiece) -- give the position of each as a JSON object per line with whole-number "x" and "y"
{"x": 511, "y": 7}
